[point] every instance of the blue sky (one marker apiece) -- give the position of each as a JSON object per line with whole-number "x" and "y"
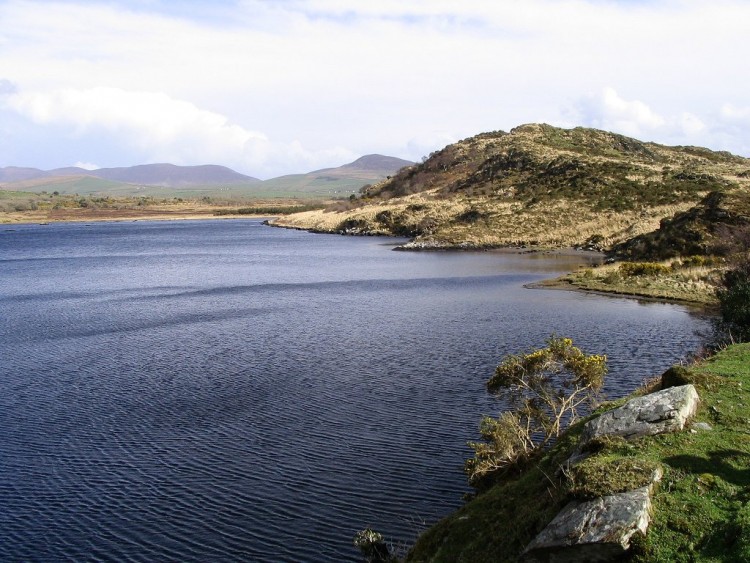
{"x": 270, "y": 88}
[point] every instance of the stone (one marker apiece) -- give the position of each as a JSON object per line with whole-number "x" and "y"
{"x": 601, "y": 529}
{"x": 594, "y": 530}
{"x": 656, "y": 413}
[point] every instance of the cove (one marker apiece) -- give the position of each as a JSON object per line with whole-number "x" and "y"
{"x": 223, "y": 391}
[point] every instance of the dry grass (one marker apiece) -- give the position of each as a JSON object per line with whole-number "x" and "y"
{"x": 677, "y": 282}
{"x": 535, "y": 186}
{"x": 496, "y": 223}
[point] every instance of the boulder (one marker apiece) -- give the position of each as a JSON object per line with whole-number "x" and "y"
{"x": 656, "y": 413}
{"x": 601, "y": 529}
{"x": 594, "y": 530}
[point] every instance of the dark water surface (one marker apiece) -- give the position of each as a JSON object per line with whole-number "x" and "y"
{"x": 225, "y": 391}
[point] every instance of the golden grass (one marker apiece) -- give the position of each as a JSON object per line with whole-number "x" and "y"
{"x": 677, "y": 282}
{"x": 557, "y": 224}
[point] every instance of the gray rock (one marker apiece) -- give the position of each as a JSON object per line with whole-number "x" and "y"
{"x": 595, "y": 530}
{"x": 702, "y": 426}
{"x": 601, "y": 529}
{"x": 656, "y": 413}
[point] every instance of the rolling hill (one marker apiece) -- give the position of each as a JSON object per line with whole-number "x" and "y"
{"x": 120, "y": 181}
{"x": 335, "y": 182}
{"x": 167, "y": 180}
{"x": 536, "y": 185}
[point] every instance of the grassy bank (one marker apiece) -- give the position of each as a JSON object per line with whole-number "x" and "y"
{"x": 701, "y": 511}
{"x": 692, "y": 280}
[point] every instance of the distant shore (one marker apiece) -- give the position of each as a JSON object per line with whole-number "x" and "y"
{"x": 569, "y": 282}
{"x": 83, "y": 215}
{"x": 565, "y": 284}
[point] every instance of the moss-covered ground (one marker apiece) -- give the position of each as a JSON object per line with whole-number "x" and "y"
{"x": 701, "y": 509}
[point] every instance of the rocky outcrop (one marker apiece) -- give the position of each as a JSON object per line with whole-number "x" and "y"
{"x": 601, "y": 529}
{"x": 594, "y": 530}
{"x": 656, "y": 413}
{"x": 692, "y": 232}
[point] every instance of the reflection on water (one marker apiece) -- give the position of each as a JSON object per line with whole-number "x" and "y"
{"x": 221, "y": 390}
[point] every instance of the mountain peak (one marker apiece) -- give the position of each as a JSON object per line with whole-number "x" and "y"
{"x": 378, "y": 162}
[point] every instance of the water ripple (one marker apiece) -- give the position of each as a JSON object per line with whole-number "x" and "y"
{"x": 244, "y": 393}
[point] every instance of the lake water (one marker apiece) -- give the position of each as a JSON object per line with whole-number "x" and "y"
{"x": 226, "y": 391}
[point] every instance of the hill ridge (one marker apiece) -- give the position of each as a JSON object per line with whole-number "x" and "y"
{"x": 537, "y": 185}
{"x": 151, "y": 174}
{"x": 341, "y": 181}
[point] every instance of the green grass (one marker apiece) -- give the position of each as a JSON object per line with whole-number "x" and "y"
{"x": 701, "y": 509}
{"x": 499, "y": 523}
{"x": 298, "y": 186}
{"x": 312, "y": 186}
{"x": 10, "y": 194}
{"x": 83, "y": 185}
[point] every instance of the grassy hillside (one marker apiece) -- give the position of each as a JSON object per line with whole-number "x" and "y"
{"x": 700, "y": 510}
{"x": 537, "y": 185}
{"x": 335, "y": 183}
{"x": 84, "y": 185}
{"x": 91, "y": 185}
{"x": 697, "y": 231}
{"x": 683, "y": 259}
{"x": 323, "y": 184}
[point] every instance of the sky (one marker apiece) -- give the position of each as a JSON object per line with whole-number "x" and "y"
{"x": 288, "y": 86}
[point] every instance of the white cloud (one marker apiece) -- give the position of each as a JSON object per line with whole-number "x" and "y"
{"x": 327, "y": 78}
{"x": 86, "y": 165}
{"x": 724, "y": 128}
{"x": 7, "y": 87}
{"x": 691, "y": 125}
{"x": 608, "y": 110}
{"x": 165, "y": 128}
{"x": 151, "y": 119}
{"x": 732, "y": 113}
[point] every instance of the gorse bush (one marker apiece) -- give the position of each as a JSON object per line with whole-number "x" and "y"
{"x": 508, "y": 440}
{"x": 630, "y": 269}
{"x": 545, "y": 390}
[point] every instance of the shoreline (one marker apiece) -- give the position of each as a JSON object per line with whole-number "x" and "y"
{"x": 117, "y": 215}
{"x": 558, "y": 284}
{"x": 435, "y": 246}
{"x": 561, "y": 284}
{"x": 133, "y": 215}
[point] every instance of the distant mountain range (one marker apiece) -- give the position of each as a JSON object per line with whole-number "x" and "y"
{"x": 167, "y": 175}
{"x": 167, "y": 179}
